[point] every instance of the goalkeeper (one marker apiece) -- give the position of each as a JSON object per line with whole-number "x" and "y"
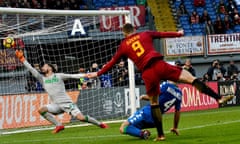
{"x": 170, "y": 96}
{"x": 54, "y": 85}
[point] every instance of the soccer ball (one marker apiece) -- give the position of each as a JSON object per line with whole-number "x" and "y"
{"x": 8, "y": 42}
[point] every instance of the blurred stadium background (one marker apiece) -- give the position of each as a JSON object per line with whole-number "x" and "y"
{"x": 161, "y": 15}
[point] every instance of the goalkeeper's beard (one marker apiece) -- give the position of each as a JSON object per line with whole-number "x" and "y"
{"x": 44, "y": 72}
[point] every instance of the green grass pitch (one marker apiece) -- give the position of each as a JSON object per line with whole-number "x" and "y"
{"x": 217, "y": 126}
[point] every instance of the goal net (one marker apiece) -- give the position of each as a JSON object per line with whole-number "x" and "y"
{"x": 75, "y": 42}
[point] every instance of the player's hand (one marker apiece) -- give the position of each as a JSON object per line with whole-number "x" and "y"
{"x": 174, "y": 131}
{"x": 141, "y": 97}
{"x": 144, "y": 97}
{"x": 19, "y": 54}
{"x": 85, "y": 75}
{"x": 181, "y": 32}
{"x": 92, "y": 75}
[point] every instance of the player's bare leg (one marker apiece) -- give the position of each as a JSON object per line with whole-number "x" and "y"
{"x": 157, "y": 116}
{"x": 48, "y": 116}
{"x": 126, "y": 128}
{"x": 91, "y": 120}
{"x": 186, "y": 77}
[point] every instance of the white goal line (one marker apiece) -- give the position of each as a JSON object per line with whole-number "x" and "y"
{"x": 49, "y": 128}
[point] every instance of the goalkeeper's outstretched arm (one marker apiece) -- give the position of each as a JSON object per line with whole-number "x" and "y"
{"x": 72, "y": 76}
{"x": 35, "y": 73}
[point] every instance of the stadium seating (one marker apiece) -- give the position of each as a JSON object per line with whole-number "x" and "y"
{"x": 163, "y": 16}
{"x": 109, "y": 3}
{"x": 211, "y": 7}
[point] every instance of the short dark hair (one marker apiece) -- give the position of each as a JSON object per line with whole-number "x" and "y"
{"x": 128, "y": 28}
{"x": 53, "y": 66}
{"x": 54, "y": 69}
{"x": 178, "y": 63}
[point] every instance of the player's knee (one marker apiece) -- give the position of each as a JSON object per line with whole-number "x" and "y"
{"x": 186, "y": 77}
{"x": 81, "y": 117}
{"x": 123, "y": 127}
{"x": 154, "y": 100}
{"x": 121, "y": 130}
{"x": 42, "y": 110}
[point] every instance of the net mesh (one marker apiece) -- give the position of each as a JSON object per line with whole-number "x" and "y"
{"x": 73, "y": 44}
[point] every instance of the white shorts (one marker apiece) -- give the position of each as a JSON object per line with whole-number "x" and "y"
{"x": 69, "y": 108}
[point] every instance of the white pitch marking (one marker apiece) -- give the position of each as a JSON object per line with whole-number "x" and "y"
{"x": 108, "y": 136}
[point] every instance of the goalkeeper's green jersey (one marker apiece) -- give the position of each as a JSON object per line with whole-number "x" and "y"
{"x": 54, "y": 84}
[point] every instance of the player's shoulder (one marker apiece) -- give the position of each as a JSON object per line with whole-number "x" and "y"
{"x": 166, "y": 84}
{"x": 59, "y": 74}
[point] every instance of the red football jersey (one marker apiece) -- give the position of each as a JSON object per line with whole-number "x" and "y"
{"x": 139, "y": 48}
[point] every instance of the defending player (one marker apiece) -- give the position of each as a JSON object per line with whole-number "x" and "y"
{"x": 170, "y": 96}
{"x": 139, "y": 48}
{"x": 54, "y": 85}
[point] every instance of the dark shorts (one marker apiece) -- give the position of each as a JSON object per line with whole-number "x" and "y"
{"x": 157, "y": 71}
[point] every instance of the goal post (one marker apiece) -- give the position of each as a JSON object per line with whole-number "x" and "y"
{"x": 70, "y": 39}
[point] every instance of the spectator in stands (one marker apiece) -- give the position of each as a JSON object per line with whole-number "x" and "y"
{"x": 194, "y": 18}
{"x": 235, "y": 12}
{"x": 231, "y": 6}
{"x": 86, "y": 5}
{"x": 236, "y": 18}
{"x": 227, "y": 23}
{"x": 232, "y": 69}
{"x": 74, "y": 5}
{"x": 106, "y": 79}
{"x": 209, "y": 28}
{"x": 121, "y": 74}
{"x": 219, "y": 26}
{"x": 235, "y": 77}
{"x": 205, "y": 17}
{"x": 138, "y": 78}
{"x": 178, "y": 63}
{"x": 188, "y": 66}
{"x": 222, "y": 8}
{"x": 199, "y": 3}
{"x": 181, "y": 11}
{"x": 205, "y": 78}
{"x": 38, "y": 85}
{"x": 215, "y": 69}
{"x": 220, "y": 77}
{"x": 47, "y": 4}
{"x": 81, "y": 80}
{"x": 66, "y": 4}
{"x": 85, "y": 85}
{"x": 58, "y": 5}
{"x": 95, "y": 82}
{"x": 31, "y": 83}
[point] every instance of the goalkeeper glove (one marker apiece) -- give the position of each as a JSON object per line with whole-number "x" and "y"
{"x": 19, "y": 55}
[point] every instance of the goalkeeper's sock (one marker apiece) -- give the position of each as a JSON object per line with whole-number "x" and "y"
{"x": 202, "y": 87}
{"x": 50, "y": 118}
{"x": 92, "y": 120}
{"x": 157, "y": 118}
{"x": 132, "y": 130}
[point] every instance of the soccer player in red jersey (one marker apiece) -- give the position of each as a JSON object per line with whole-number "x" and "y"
{"x": 139, "y": 48}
